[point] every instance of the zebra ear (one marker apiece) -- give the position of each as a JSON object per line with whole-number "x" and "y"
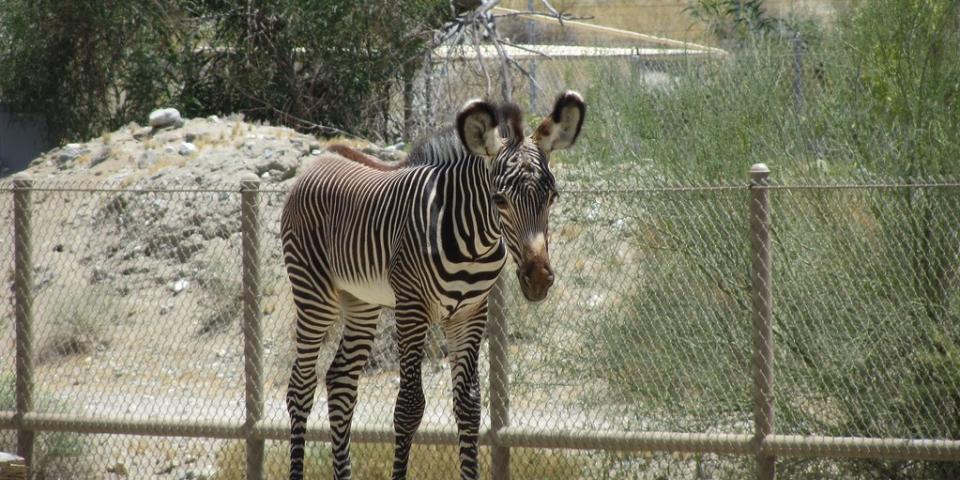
{"x": 477, "y": 128}
{"x": 562, "y": 127}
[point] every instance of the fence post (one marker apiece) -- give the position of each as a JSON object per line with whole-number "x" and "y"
{"x": 762, "y": 299}
{"x": 531, "y": 39}
{"x": 252, "y": 332}
{"x": 23, "y": 294}
{"x": 499, "y": 381}
{"x": 428, "y": 91}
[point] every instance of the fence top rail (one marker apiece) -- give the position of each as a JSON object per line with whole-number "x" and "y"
{"x": 587, "y": 186}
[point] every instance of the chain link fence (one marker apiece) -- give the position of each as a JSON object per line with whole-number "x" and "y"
{"x": 640, "y": 364}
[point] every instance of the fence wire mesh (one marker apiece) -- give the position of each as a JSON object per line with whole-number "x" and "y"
{"x": 138, "y": 306}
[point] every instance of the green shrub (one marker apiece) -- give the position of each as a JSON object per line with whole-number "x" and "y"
{"x": 90, "y": 67}
{"x": 57, "y": 454}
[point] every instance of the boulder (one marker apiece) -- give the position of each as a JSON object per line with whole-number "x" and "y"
{"x": 165, "y": 117}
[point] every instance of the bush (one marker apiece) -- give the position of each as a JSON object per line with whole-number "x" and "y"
{"x": 866, "y": 292}
{"x": 57, "y": 454}
{"x": 873, "y": 95}
{"x": 89, "y": 67}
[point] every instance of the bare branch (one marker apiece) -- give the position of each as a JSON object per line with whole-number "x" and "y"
{"x": 565, "y": 16}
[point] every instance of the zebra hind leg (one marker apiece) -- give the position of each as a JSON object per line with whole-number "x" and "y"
{"x": 360, "y": 325}
{"x": 317, "y": 309}
{"x": 412, "y": 325}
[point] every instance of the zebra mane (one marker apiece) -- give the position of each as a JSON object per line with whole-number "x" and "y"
{"x": 444, "y": 146}
{"x": 440, "y": 148}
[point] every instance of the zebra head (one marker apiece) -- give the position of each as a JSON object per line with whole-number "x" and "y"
{"x": 523, "y": 188}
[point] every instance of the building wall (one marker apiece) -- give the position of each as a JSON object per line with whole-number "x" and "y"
{"x": 22, "y": 139}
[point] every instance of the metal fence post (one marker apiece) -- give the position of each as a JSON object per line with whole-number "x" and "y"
{"x": 252, "y": 331}
{"x": 531, "y": 39}
{"x": 499, "y": 382}
{"x": 762, "y": 299}
{"x": 23, "y": 294}
{"x": 428, "y": 91}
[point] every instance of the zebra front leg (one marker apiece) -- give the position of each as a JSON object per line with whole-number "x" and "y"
{"x": 464, "y": 334}
{"x": 317, "y": 309}
{"x": 412, "y": 323}
{"x": 359, "y": 329}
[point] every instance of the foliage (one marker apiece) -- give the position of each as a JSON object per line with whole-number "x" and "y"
{"x": 87, "y": 66}
{"x": 79, "y": 323}
{"x": 90, "y": 67}
{"x": 733, "y": 20}
{"x": 59, "y": 454}
{"x": 866, "y": 288}
{"x": 876, "y": 96}
{"x": 333, "y": 63}
{"x": 907, "y": 59}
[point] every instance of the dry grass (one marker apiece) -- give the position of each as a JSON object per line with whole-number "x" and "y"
{"x": 165, "y": 161}
{"x": 77, "y": 327}
{"x": 427, "y": 462}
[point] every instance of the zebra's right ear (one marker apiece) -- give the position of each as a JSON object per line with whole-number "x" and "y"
{"x": 477, "y": 128}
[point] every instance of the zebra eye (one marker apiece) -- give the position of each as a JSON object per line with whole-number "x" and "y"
{"x": 499, "y": 200}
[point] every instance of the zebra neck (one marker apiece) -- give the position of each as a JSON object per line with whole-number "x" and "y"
{"x": 470, "y": 225}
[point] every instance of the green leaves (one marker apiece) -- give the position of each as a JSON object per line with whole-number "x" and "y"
{"x": 89, "y": 67}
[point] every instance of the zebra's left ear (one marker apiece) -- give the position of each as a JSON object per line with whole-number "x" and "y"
{"x": 562, "y": 127}
{"x": 477, "y": 128}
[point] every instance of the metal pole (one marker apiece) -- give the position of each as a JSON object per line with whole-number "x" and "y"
{"x": 531, "y": 33}
{"x": 499, "y": 382}
{"x": 23, "y": 294}
{"x": 797, "y": 75}
{"x": 252, "y": 332}
{"x": 428, "y": 91}
{"x": 760, "y": 246}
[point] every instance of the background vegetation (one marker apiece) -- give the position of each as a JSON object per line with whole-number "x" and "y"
{"x": 866, "y": 292}
{"x": 318, "y": 65}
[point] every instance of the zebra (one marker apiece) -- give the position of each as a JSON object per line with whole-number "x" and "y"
{"x": 427, "y": 238}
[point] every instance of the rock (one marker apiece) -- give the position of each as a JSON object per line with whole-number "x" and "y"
{"x": 168, "y": 469}
{"x": 147, "y": 159}
{"x": 69, "y": 154}
{"x": 118, "y": 469}
{"x": 142, "y": 133}
{"x": 203, "y": 473}
{"x": 189, "y": 246}
{"x": 213, "y": 119}
{"x": 101, "y": 156}
{"x": 389, "y": 154}
{"x": 189, "y": 137}
{"x": 187, "y": 148}
{"x": 165, "y": 117}
{"x": 281, "y": 166}
{"x": 179, "y": 286}
{"x": 99, "y": 275}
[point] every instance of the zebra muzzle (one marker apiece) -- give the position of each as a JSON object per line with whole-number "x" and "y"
{"x": 535, "y": 278}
